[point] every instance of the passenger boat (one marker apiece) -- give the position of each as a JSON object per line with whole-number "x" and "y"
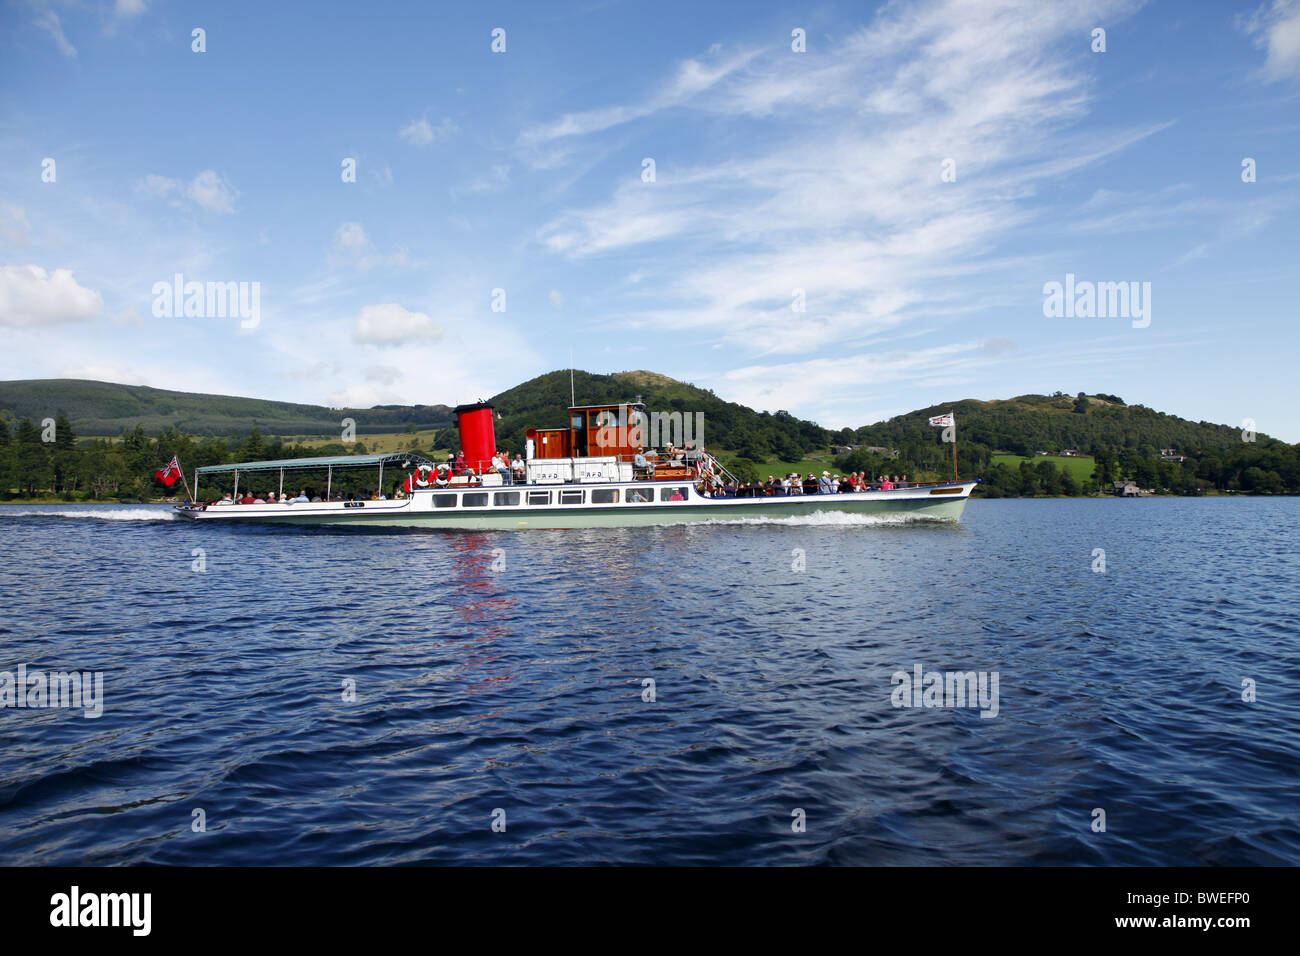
{"x": 594, "y": 473}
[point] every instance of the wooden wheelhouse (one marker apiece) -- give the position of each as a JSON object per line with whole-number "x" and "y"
{"x": 611, "y": 431}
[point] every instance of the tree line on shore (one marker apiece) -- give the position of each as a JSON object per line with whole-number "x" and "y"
{"x": 48, "y": 460}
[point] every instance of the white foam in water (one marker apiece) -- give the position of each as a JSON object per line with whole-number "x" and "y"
{"x": 825, "y": 518}
{"x": 101, "y": 513}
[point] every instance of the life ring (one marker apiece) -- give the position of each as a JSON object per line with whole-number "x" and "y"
{"x": 422, "y": 476}
{"x": 441, "y": 476}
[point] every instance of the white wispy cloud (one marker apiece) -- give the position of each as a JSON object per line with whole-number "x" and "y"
{"x": 352, "y": 244}
{"x": 32, "y": 297}
{"x": 838, "y": 380}
{"x": 494, "y": 180}
{"x": 692, "y": 77}
{"x": 351, "y": 236}
{"x": 1275, "y": 27}
{"x": 15, "y": 230}
{"x": 846, "y": 203}
{"x": 208, "y": 190}
{"x": 102, "y": 373}
{"x": 392, "y": 324}
{"x": 48, "y": 21}
{"x": 419, "y": 132}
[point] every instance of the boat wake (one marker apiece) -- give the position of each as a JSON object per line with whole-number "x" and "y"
{"x": 836, "y": 519}
{"x": 104, "y": 513}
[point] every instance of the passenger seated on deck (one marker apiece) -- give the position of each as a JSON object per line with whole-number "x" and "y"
{"x": 519, "y": 468}
{"x": 248, "y": 498}
{"x": 886, "y": 484}
{"x": 501, "y": 462}
{"x": 902, "y": 481}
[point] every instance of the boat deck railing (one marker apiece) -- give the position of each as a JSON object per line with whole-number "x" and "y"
{"x": 810, "y": 490}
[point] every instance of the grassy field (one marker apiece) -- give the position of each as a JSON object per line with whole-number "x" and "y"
{"x": 1080, "y": 467}
{"x": 377, "y": 444}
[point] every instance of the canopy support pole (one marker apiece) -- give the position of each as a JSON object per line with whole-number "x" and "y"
{"x": 329, "y": 480}
{"x": 381, "y": 478}
{"x": 281, "y": 484}
{"x": 236, "y": 482}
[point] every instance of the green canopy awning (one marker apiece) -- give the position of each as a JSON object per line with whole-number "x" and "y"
{"x": 333, "y": 461}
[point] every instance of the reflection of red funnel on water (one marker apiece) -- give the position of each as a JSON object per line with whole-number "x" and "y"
{"x": 475, "y": 593}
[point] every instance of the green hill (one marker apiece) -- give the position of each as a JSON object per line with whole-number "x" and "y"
{"x": 1028, "y": 424}
{"x": 1115, "y": 440}
{"x": 1125, "y": 441}
{"x": 106, "y": 409}
{"x": 541, "y": 403}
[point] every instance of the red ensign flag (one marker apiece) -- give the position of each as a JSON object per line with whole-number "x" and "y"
{"x": 169, "y": 472}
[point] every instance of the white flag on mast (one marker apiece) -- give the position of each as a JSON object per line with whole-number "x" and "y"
{"x": 943, "y": 421}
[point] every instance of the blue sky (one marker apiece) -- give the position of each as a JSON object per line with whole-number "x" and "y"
{"x": 774, "y": 171}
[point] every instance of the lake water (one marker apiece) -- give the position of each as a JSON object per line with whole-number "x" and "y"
{"x": 481, "y": 688}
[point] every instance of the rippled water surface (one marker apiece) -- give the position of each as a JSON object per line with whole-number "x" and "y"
{"x": 522, "y": 690}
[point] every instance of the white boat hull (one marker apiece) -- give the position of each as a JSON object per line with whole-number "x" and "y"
{"x": 928, "y": 503}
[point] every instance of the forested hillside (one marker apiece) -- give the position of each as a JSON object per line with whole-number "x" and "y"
{"x": 84, "y": 457}
{"x": 107, "y": 410}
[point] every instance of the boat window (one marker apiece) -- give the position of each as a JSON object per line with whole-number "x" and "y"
{"x": 604, "y": 496}
{"x": 444, "y": 501}
{"x": 539, "y": 497}
{"x": 475, "y": 500}
{"x": 505, "y": 498}
{"x": 640, "y": 496}
{"x": 672, "y": 494}
{"x": 571, "y": 497}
